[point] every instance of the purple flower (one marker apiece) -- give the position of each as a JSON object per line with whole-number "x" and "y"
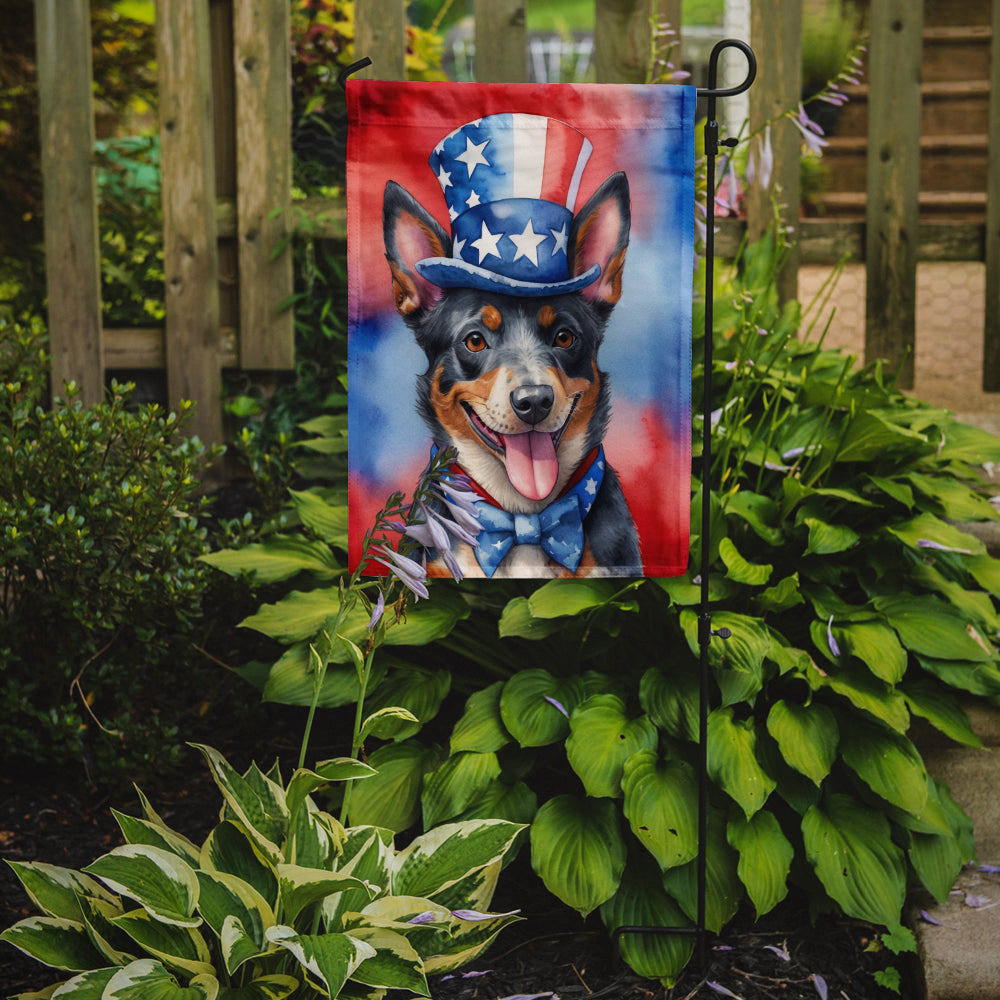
{"x": 377, "y": 611}
{"x": 410, "y": 573}
{"x": 834, "y": 648}
{"x": 558, "y": 705}
{"x": 719, "y": 988}
{"x": 811, "y": 132}
{"x": 927, "y": 543}
{"x": 780, "y": 952}
{"x": 820, "y": 983}
{"x": 760, "y": 165}
{"x": 427, "y": 917}
{"x": 475, "y": 915}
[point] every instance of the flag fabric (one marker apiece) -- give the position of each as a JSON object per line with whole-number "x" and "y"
{"x": 520, "y": 264}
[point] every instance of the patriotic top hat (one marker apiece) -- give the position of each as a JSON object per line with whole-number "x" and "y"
{"x": 510, "y": 182}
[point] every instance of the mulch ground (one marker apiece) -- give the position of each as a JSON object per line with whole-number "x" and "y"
{"x": 52, "y": 819}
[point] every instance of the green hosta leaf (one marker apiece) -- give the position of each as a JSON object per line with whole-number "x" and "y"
{"x": 516, "y": 803}
{"x": 866, "y": 692}
{"x": 327, "y": 520}
{"x": 807, "y": 736}
{"x": 683, "y": 592}
{"x": 56, "y": 891}
{"x": 758, "y": 511}
{"x": 141, "y": 831}
{"x": 159, "y": 881}
{"x": 876, "y": 646}
{"x": 226, "y": 898}
{"x": 827, "y": 539}
{"x": 438, "y": 859}
{"x": 54, "y": 941}
{"x": 279, "y": 558}
{"x": 535, "y": 706}
{"x": 975, "y": 605}
{"x": 937, "y": 860}
{"x": 723, "y": 889}
{"x": 456, "y": 784}
{"x": 932, "y": 628}
{"x": 418, "y": 691}
{"x": 732, "y": 760}
{"x": 180, "y": 948}
{"x": 391, "y": 798}
{"x": 893, "y": 488}
{"x": 765, "y": 858}
{"x": 275, "y": 987}
{"x": 738, "y": 661}
{"x": 928, "y": 528}
{"x": 888, "y": 763}
{"x": 517, "y": 620}
{"x": 783, "y": 595}
{"x": 230, "y": 849}
{"x": 976, "y": 678}
{"x": 965, "y": 443}
{"x": 986, "y": 571}
{"x": 292, "y": 680}
{"x": 957, "y": 501}
{"x": 330, "y": 959}
{"x": 671, "y": 700}
{"x": 395, "y": 964}
{"x": 260, "y": 809}
{"x": 941, "y": 709}
{"x": 560, "y": 598}
{"x": 850, "y": 847}
{"x": 641, "y": 901}
{"x": 147, "y": 979}
{"x": 301, "y": 887}
{"x": 578, "y": 851}
{"x": 387, "y": 723}
{"x": 870, "y": 435}
{"x": 481, "y": 728}
{"x": 602, "y": 738}
{"x": 304, "y": 782}
{"x": 661, "y": 799}
{"x": 739, "y": 569}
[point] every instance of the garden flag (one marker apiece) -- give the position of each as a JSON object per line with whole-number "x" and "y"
{"x": 520, "y": 271}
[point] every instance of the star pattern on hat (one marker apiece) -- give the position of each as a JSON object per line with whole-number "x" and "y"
{"x": 487, "y": 244}
{"x": 527, "y": 243}
{"x": 473, "y": 155}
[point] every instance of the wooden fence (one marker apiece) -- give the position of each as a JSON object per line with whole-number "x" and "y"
{"x": 226, "y": 161}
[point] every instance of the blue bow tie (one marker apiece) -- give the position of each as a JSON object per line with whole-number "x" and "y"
{"x": 558, "y": 528}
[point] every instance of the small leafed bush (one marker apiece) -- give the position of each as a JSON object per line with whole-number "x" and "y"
{"x": 280, "y": 899}
{"x": 99, "y": 574}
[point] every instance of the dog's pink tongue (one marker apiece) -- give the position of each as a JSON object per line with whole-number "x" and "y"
{"x": 532, "y": 466}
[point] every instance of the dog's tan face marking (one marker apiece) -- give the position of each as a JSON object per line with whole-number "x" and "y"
{"x": 546, "y": 316}
{"x": 491, "y": 317}
{"x": 447, "y": 405}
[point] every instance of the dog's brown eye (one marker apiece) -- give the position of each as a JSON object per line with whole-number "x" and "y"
{"x": 475, "y": 342}
{"x": 564, "y": 338}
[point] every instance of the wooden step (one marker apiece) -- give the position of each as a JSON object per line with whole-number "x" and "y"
{"x": 956, "y": 53}
{"x": 958, "y": 206}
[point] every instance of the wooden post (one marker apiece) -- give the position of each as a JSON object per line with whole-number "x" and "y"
{"x": 776, "y": 35}
{"x": 72, "y": 255}
{"x": 380, "y": 34}
{"x": 893, "y": 184}
{"x": 668, "y": 12}
{"x": 991, "y": 333}
{"x": 262, "y": 61}
{"x": 622, "y": 40}
{"x": 501, "y": 41}
{"x": 190, "y": 254}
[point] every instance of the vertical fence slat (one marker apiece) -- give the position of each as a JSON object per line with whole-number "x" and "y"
{"x": 380, "y": 34}
{"x": 893, "y": 183}
{"x": 991, "y": 333}
{"x": 776, "y": 35}
{"x": 190, "y": 253}
{"x": 622, "y": 40}
{"x": 261, "y": 57}
{"x": 72, "y": 257}
{"x": 669, "y": 11}
{"x": 501, "y": 41}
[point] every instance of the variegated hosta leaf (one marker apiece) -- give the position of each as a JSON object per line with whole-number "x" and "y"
{"x": 391, "y": 799}
{"x": 225, "y": 897}
{"x": 441, "y": 857}
{"x": 535, "y": 706}
{"x": 456, "y": 784}
{"x": 141, "y": 831}
{"x": 86, "y": 986}
{"x": 765, "y": 858}
{"x": 578, "y": 851}
{"x": 147, "y": 979}
{"x": 661, "y": 805}
{"x": 807, "y": 736}
{"x": 315, "y": 838}
{"x": 732, "y": 760}
{"x": 602, "y": 737}
{"x": 888, "y": 763}
{"x": 304, "y": 782}
{"x": 395, "y": 964}
{"x": 158, "y": 880}
{"x": 256, "y": 801}
{"x": 230, "y": 849}
{"x": 850, "y": 847}
{"x": 367, "y": 853}
{"x": 300, "y": 887}
{"x": 476, "y": 890}
{"x": 56, "y": 891}
{"x": 177, "y": 947}
{"x": 116, "y": 946}
{"x": 329, "y": 959}
{"x": 274, "y": 987}
{"x": 642, "y": 902}
{"x": 481, "y": 727}
{"x": 466, "y": 941}
{"x": 54, "y": 941}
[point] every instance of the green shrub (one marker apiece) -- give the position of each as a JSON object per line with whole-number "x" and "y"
{"x": 101, "y": 584}
{"x": 280, "y": 899}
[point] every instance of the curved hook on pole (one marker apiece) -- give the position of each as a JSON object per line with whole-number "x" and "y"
{"x": 349, "y": 70}
{"x": 713, "y": 69}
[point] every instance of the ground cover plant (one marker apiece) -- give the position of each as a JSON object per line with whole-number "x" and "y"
{"x": 855, "y": 604}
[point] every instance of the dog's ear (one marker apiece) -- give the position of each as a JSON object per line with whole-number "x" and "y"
{"x": 410, "y": 234}
{"x": 600, "y": 236}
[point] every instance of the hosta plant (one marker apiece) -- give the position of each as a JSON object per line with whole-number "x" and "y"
{"x": 279, "y": 900}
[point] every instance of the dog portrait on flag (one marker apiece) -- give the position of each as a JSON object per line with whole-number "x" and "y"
{"x": 520, "y": 266}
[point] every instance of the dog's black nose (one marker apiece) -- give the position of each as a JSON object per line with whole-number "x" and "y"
{"x": 532, "y": 403}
